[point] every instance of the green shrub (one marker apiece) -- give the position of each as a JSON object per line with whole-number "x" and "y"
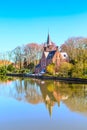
{"x": 24, "y": 71}
{"x": 3, "y": 70}
{"x": 65, "y": 69}
{"x": 51, "y": 69}
{"x": 10, "y": 68}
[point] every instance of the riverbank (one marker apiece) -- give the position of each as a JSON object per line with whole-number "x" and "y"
{"x": 42, "y": 77}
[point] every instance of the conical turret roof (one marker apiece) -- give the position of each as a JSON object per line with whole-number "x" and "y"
{"x": 48, "y": 40}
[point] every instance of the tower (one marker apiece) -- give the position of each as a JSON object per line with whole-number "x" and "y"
{"x": 49, "y": 45}
{"x": 48, "y": 40}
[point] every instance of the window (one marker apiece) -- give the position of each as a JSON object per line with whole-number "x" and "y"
{"x": 64, "y": 55}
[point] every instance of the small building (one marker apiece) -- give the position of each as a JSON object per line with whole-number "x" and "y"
{"x": 51, "y": 54}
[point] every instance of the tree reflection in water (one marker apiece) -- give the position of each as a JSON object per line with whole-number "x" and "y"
{"x": 49, "y": 92}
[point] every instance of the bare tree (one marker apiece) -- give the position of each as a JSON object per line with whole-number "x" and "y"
{"x": 18, "y": 55}
{"x": 75, "y": 47}
{"x": 33, "y": 52}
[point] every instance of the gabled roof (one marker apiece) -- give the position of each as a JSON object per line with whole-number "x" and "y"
{"x": 37, "y": 66}
{"x": 51, "y": 54}
{"x": 46, "y": 54}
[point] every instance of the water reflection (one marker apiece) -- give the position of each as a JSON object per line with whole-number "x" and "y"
{"x": 74, "y": 96}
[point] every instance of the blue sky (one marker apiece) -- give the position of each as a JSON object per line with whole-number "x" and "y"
{"x": 26, "y": 21}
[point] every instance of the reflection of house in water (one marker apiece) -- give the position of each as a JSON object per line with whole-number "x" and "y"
{"x": 59, "y": 97}
{"x": 49, "y": 104}
{"x": 50, "y": 93}
{"x": 51, "y": 97}
{"x": 74, "y": 96}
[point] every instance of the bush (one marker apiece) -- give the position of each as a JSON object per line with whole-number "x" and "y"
{"x": 51, "y": 69}
{"x": 10, "y": 68}
{"x": 65, "y": 69}
{"x": 77, "y": 70}
{"x": 3, "y": 70}
{"x": 24, "y": 71}
{"x": 30, "y": 66}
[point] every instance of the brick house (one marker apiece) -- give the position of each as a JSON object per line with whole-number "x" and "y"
{"x": 51, "y": 54}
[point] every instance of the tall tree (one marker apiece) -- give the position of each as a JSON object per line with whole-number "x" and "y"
{"x": 76, "y": 49}
{"x": 18, "y": 56}
{"x": 33, "y": 52}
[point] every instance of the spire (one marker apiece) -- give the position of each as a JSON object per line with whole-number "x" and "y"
{"x": 48, "y": 40}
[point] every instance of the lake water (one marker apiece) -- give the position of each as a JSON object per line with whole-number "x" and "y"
{"x": 29, "y": 104}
